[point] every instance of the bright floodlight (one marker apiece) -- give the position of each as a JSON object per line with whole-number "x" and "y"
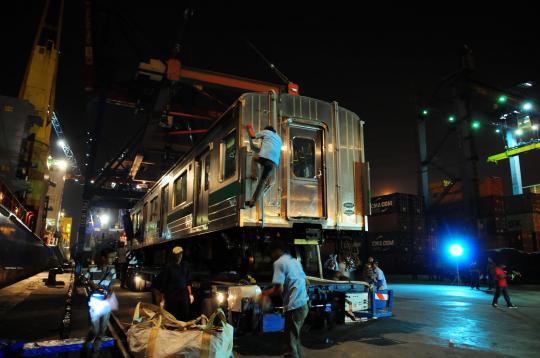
{"x": 456, "y": 250}
{"x": 518, "y": 131}
{"x": 534, "y": 127}
{"x": 62, "y": 164}
{"x": 61, "y": 143}
{"x": 104, "y": 219}
{"x": 527, "y": 106}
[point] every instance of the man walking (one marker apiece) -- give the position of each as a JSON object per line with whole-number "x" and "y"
{"x": 172, "y": 287}
{"x": 290, "y": 280}
{"x": 122, "y": 264}
{"x": 474, "y": 270}
{"x": 501, "y": 287}
{"x": 101, "y": 301}
{"x": 268, "y": 157}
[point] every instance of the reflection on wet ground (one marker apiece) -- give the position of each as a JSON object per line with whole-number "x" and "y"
{"x": 459, "y": 316}
{"x": 429, "y": 321}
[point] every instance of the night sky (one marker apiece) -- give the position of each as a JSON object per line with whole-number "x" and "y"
{"x": 380, "y": 63}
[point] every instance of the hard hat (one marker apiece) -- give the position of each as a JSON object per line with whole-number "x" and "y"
{"x": 177, "y": 250}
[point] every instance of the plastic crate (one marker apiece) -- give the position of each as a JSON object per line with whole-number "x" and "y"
{"x": 273, "y": 322}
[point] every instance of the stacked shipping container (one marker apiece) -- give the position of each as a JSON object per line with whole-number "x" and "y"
{"x": 490, "y": 206}
{"x": 403, "y": 238}
{"x": 523, "y": 221}
{"x": 397, "y": 231}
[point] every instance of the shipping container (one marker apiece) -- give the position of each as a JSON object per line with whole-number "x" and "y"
{"x": 530, "y": 243}
{"x": 487, "y": 187}
{"x": 492, "y": 225}
{"x": 416, "y": 205}
{"x": 490, "y": 206}
{"x": 390, "y": 204}
{"x": 397, "y": 222}
{"x": 497, "y": 241}
{"x": 524, "y": 203}
{"x": 491, "y": 186}
{"x": 523, "y": 222}
{"x": 454, "y": 194}
{"x": 390, "y": 241}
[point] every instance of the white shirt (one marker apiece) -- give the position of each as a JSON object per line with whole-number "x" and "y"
{"x": 288, "y": 272}
{"x": 343, "y": 270}
{"x": 380, "y": 280}
{"x": 271, "y": 145}
{"x": 100, "y": 277}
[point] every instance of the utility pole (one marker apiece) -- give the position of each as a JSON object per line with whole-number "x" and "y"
{"x": 468, "y": 157}
{"x": 423, "y": 167}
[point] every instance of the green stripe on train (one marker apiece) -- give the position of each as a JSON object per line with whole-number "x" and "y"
{"x": 229, "y": 191}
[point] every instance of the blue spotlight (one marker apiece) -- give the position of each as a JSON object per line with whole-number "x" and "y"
{"x": 456, "y": 250}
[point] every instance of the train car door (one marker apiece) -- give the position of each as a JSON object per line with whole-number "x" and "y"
{"x": 203, "y": 183}
{"x": 306, "y": 185}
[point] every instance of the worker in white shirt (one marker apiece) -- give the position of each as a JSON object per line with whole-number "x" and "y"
{"x": 268, "y": 158}
{"x": 291, "y": 282}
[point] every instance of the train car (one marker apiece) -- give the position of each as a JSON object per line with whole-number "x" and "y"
{"x": 318, "y": 192}
{"x": 22, "y": 254}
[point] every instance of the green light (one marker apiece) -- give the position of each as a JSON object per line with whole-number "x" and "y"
{"x": 497, "y": 130}
{"x": 502, "y": 99}
{"x": 475, "y": 124}
{"x": 451, "y": 119}
{"x": 425, "y": 112}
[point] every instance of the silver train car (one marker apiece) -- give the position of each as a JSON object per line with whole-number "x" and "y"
{"x": 22, "y": 254}
{"x": 320, "y": 188}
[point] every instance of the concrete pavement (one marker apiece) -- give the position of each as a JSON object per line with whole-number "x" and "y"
{"x": 429, "y": 321}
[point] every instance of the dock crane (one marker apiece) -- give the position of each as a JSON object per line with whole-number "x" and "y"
{"x": 38, "y": 88}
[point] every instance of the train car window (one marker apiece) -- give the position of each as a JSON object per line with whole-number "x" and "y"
{"x": 4, "y": 211}
{"x": 135, "y": 221}
{"x": 228, "y": 156}
{"x": 164, "y": 200}
{"x": 153, "y": 209}
{"x": 180, "y": 189}
{"x": 144, "y": 215}
{"x": 207, "y": 172}
{"x": 303, "y": 157}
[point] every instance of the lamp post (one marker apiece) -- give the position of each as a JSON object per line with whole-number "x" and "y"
{"x": 456, "y": 251}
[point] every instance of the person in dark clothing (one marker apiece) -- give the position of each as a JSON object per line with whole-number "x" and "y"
{"x": 474, "y": 270}
{"x": 502, "y": 287}
{"x": 172, "y": 287}
{"x": 490, "y": 272}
